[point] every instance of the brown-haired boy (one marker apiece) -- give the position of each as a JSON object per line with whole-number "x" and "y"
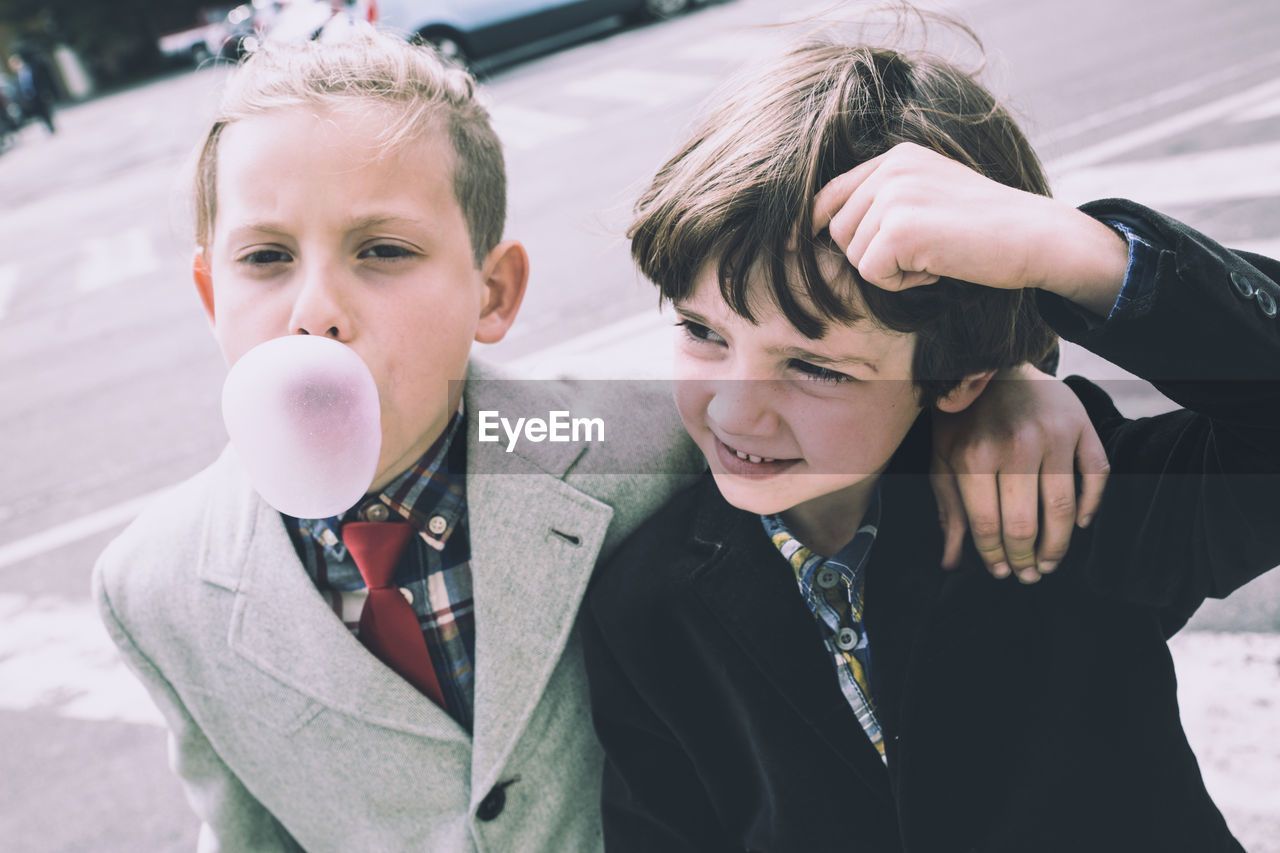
{"x": 775, "y": 662}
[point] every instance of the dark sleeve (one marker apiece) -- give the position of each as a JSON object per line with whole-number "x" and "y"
{"x": 652, "y": 798}
{"x": 1191, "y": 507}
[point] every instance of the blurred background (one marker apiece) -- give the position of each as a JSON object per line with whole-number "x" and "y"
{"x": 110, "y": 380}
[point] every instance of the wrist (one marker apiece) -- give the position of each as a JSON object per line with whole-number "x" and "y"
{"x": 1097, "y": 257}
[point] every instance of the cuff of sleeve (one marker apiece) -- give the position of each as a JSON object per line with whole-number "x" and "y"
{"x": 1139, "y": 280}
{"x": 1139, "y": 275}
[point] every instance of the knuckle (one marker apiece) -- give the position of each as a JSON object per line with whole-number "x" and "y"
{"x": 1020, "y": 530}
{"x": 986, "y": 530}
{"x": 977, "y": 457}
{"x": 1060, "y": 504}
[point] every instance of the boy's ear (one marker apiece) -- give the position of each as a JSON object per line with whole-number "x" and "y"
{"x": 204, "y": 280}
{"x": 962, "y": 396}
{"x": 506, "y": 273}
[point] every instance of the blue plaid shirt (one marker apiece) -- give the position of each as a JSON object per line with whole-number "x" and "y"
{"x": 832, "y": 587}
{"x": 434, "y": 572}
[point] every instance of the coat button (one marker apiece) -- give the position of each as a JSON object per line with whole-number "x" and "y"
{"x": 493, "y": 803}
{"x": 1244, "y": 287}
{"x": 1266, "y": 303}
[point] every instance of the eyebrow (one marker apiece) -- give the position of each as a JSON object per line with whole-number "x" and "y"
{"x": 354, "y": 225}
{"x": 798, "y": 353}
{"x": 818, "y": 358}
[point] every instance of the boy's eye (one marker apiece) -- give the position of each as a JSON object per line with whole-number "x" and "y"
{"x": 699, "y": 332}
{"x": 386, "y": 251}
{"x": 819, "y": 373}
{"x": 264, "y": 257}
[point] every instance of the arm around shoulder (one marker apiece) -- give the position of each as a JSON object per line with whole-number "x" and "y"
{"x": 1190, "y": 506}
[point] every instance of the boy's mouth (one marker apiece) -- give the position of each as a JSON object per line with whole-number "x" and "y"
{"x": 736, "y": 461}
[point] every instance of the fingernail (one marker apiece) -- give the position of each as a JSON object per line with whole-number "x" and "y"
{"x": 1084, "y": 522}
{"x": 1000, "y": 570}
{"x": 1029, "y": 576}
{"x": 1047, "y": 567}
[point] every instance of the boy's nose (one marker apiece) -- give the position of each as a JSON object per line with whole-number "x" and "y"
{"x": 742, "y": 406}
{"x": 319, "y": 310}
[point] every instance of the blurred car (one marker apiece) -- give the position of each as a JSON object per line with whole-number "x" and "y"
{"x": 468, "y": 31}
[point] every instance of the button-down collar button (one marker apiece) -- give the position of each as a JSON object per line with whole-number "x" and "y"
{"x": 1244, "y": 287}
{"x": 828, "y": 578}
{"x": 1266, "y": 303}
{"x": 437, "y": 525}
{"x": 847, "y": 639}
{"x": 376, "y": 512}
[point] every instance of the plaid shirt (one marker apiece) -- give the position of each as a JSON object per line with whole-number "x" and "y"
{"x": 832, "y": 587}
{"x": 434, "y": 572}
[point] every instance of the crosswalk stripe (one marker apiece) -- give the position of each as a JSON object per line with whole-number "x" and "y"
{"x": 647, "y": 88}
{"x": 1264, "y": 109}
{"x": 523, "y": 128}
{"x": 56, "y": 655}
{"x": 1251, "y": 171}
{"x": 734, "y": 47}
{"x": 1154, "y": 132}
{"x": 116, "y": 258}
{"x": 74, "y": 530}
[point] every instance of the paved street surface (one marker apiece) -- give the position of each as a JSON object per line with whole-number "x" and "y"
{"x": 110, "y": 379}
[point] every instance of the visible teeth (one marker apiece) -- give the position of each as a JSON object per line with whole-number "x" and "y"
{"x": 749, "y": 458}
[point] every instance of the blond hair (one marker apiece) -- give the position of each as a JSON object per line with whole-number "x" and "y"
{"x": 742, "y": 186}
{"x": 410, "y": 90}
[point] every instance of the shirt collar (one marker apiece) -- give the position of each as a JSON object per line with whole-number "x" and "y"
{"x": 849, "y": 561}
{"x": 430, "y": 495}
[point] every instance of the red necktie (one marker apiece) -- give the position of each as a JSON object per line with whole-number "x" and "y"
{"x": 388, "y": 626}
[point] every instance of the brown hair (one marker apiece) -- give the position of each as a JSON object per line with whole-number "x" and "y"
{"x": 742, "y": 187}
{"x": 408, "y": 89}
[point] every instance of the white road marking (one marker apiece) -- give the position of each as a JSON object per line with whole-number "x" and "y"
{"x": 115, "y": 259}
{"x": 1251, "y": 171}
{"x": 522, "y": 128}
{"x": 1165, "y": 128}
{"x": 1149, "y": 102}
{"x": 56, "y": 656}
{"x": 636, "y": 86}
{"x": 732, "y": 47}
{"x": 74, "y": 530}
{"x": 1259, "y": 111}
{"x": 8, "y": 286}
{"x": 635, "y": 347}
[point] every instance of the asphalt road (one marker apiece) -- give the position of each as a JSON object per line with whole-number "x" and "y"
{"x": 110, "y": 379}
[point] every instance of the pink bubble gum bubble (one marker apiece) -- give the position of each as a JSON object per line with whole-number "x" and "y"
{"x": 302, "y": 413}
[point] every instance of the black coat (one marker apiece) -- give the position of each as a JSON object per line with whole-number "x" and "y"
{"x": 1016, "y": 718}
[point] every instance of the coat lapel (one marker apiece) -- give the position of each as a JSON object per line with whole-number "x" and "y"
{"x": 752, "y": 592}
{"x": 534, "y": 543}
{"x": 281, "y": 624}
